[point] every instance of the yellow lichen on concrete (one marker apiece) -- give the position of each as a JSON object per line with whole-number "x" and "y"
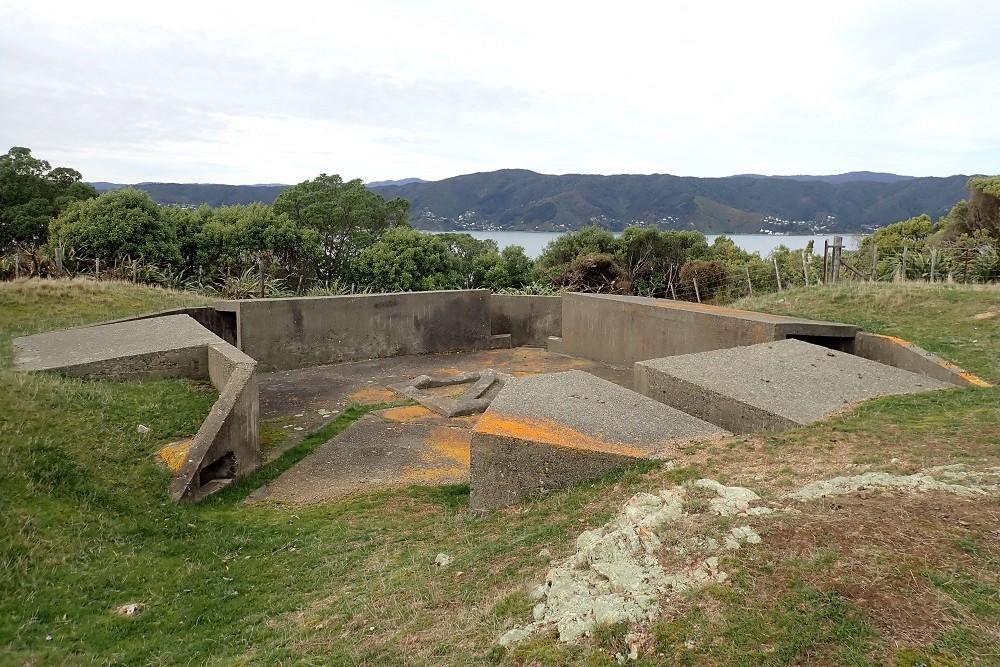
{"x": 450, "y": 443}
{"x": 373, "y": 396}
{"x": 173, "y": 455}
{"x": 445, "y": 457}
{"x": 554, "y": 433}
{"x": 412, "y": 414}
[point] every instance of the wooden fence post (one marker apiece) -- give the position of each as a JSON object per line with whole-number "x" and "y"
{"x": 749, "y": 283}
{"x": 903, "y": 271}
{"x": 97, "y": 269}
{"x": 874, "y": 262}
{"x": 805, "y": 268}
{"x": 696, "y": 294}
{"x": 838, "y": 245}
{"x": 933, "y": 263}
{"x": 260, "y": 277}
{"x": 777, "y": 274}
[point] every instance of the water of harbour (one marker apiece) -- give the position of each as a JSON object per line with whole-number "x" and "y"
{"x": 534, "y": 242}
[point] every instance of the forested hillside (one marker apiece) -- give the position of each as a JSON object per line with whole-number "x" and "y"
{"x": 517, "y": 199}
{"x": 523, "y": 200}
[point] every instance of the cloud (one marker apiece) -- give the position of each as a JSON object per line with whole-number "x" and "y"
{"x": 264, "y": 92}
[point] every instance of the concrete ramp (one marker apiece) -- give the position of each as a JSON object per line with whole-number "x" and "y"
{"x": 171, "y": 346}
{"x": 227, "y": 446}
{"x": 548, "y": 431}
{"x": 771, "y": 386}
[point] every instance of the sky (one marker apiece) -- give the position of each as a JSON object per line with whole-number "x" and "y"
{"x": 279, "y": 92}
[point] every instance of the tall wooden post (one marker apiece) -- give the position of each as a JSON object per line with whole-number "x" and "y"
{"x": 874, "y": 262}
{"x": 749, "y": 283}
{"x": 933, "y": 264}
{"x": 805, "y": 268}
{"x": 838, "y": 245}
{"x": 260, "y": 278}
{"x": 777, "y": 274}
{"x": 697, "y": 295}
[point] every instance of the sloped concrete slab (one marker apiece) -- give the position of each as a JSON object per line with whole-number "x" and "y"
{"x": 374, "y": 453}
{"x": 548, "y": 431}
{"x": 171, "y": 346}
{"x": 771, "y": 386}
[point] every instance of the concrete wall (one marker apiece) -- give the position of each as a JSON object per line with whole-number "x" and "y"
{"x": 903, "y": 354}
{"x": 621, "y": 330}
{"x": 227, "y": 446}
{"x": 529, "y": 320}
{"x": 291, "y": 333}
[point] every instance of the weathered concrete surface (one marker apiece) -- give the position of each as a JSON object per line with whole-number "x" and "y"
{"x": 375, "y": 453}
{"x": 298, "y": 332}
{"x": 221, "y": 323}
{"x": 227, "y": 446}
{"x": 622, "y": 330}
{"x": 771, "y": 386}
{"x": 549, "y": 431}
{"x": 173, "y": 346}
{"x": 904, "y": 354}
{"x": 529, "y": 320}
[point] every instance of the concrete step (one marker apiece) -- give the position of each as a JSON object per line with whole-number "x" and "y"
{"x": 500, "y": 342}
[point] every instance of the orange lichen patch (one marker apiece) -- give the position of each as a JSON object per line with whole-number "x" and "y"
{"x": 445, "y": 459}
{"x": 410, "y": 415}
{"x": 897, "y": 341}
{"x": 554, "y": 433}
{"x": 173, "y": 455}
{"x": 373, "y": 395}
{"x": 974, "y": 380}
{"x": 449, "y": 443}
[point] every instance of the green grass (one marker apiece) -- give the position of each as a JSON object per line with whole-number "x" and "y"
{"x": 86, "y": 526}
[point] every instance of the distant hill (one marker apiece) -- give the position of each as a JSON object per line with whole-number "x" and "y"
{"x": 850, "y": 177}
{"x": 518, "y": 199}
{"x": 402, "y": 181}
{"x": 197, "y": 194}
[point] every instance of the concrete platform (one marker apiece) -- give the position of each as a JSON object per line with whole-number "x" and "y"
{"x": 548, "y": 431}
{"x": 771, "y": 386}
{"x": 171, "y": 346}
{"x": 376, "y": 452}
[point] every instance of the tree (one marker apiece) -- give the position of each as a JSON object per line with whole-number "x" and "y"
{"x": 347, "y": 216}
{"x": 236, "y": 238}
{"x": 118, "y": 224}
{"x": 469, "y": 250}
{"x": 509, "y": 269}
{"x": 32, "y": 193}
{"x": 407, "y": 260}
{"x": 891, "y": 239}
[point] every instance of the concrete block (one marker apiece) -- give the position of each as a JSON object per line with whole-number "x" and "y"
{"x": 771, "y": 386}
{"x": 548, "y": 431}
{"x": 621, "y": 330}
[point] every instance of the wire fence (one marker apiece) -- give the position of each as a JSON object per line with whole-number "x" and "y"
{"x": 976, "y": 262}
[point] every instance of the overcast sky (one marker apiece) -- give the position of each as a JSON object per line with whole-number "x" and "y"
{"x": 279, "y": 92}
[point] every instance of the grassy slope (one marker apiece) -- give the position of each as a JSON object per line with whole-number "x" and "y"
{"x": 85, "y": 526}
